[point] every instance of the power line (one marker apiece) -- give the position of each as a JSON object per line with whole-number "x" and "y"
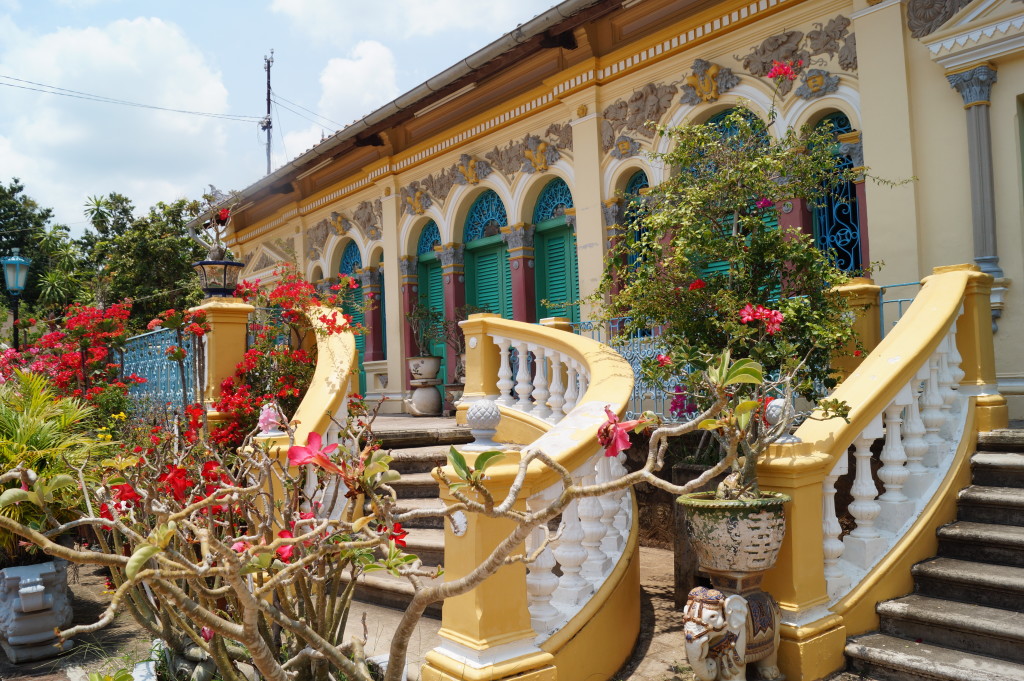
{"x": 305, "y": 118}
{"x": 76, "y": 94}
{"x": 277, "y": 95}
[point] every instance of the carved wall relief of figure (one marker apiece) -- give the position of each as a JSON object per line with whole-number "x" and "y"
{"x": 926, "y": 16}
{"x": 817, "y": 83}
{"x": 707, "y": 82}
{"x": 638, "y": 114}
{"x": 368, "y": 215}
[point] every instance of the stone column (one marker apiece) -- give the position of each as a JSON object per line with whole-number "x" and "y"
{"x": 794, "y": 214}
{"x": 974, "y": 83}
{"x": 410, "y": 296}
{"x": 225, "y": 344}
{"x": 453, "y": 275}
{"x": 591, "y": 239}
{"x": 370, "y": 279}
{"x": 519, "y": 239}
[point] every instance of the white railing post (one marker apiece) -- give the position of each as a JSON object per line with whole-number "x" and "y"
{"x": 556, "y": 396}
{"x": 540, "y": 381}
{"x": 505, "y": 382}
{"x": 524, "y": 388}
{"x": 542, "y": 581}
{"x": 896, "y": 507}
{"x": 931, "y": 414}
{"x": 864, "y": 544}
{"x": 838, "y": 582}
{"x": 914, "y": 444}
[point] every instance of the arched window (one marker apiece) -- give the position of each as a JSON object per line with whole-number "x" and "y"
{"x": 431, "y": 283}
{"x": 353, "y": 301}
{"x": 632, "y": 210}
{"x": 488, "y": 277}
{"x": 836, "y": 220}
{"x": 556, "y": 269}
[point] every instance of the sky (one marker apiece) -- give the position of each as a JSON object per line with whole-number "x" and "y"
{"x": 334, "y": 62}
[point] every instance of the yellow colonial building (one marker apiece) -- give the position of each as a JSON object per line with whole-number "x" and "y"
{"x": 500, "y": 182}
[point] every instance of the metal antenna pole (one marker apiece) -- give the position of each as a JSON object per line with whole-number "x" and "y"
{"x": 267, "y": 124}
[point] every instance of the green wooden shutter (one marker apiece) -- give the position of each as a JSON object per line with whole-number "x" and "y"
{"x": 557, "y": 281}
{"x": 491, "y": 280}
{"x": 352, "y": 305}
{"x": 431, "y": 293}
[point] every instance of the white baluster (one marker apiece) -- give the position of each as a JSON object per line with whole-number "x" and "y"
{"x": 610, "y": 507}
{"x": 945, "y": 376}
{"x": 896, "y": 507}
{"x": 624, "y": 516}
{"x": 572, "y": 381}
{"x": 541, "y": 581}
{"x": 931, "y": 414}
{"x": 524, "y": 387}
{"x": 864, "y": 544}
{"x": 584, "y": 383}
{"x": 914, "y": 444}
{"x": 556, "y": 397}
{"x": 838, "y": 582}
{"x": 955, "y": 359}
{"x": 571, "y": 555}
{"x": 505, "y": 382}
{"x": 540, "y": 381}
{"x": 593, "y": 530}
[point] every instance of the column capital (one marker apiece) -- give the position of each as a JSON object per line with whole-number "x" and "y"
{"x": 974, "y": 83}
{"x": 518, "y": 237}
{"x": 852, "y": 147}
{"x": 451, "y": 254}
{"x": 369, "y": 277}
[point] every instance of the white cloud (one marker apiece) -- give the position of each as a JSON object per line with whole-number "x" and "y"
{"x": 354, "y": 86}
{"x": 146, "y": 154}
{"x": 337, "y": 23}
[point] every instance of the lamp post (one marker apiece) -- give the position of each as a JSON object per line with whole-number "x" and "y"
{"x": 15, "y": 278}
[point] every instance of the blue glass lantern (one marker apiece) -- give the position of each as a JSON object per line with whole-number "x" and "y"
{"x": 15, "y": 272}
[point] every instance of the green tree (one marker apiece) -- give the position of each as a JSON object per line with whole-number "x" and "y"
{"x": 23, "y": 222}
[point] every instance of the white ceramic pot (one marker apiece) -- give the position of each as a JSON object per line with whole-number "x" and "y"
{"x": 424, "y": 367}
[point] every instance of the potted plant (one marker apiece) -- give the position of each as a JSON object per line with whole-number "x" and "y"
{"x": 732, "y": 296}
{"x": 427, "y": 326}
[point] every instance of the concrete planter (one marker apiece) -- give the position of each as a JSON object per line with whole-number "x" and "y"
{"x": 33, "y": 603}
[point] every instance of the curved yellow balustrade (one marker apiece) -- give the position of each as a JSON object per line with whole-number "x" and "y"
{"x": 600, "y": 637}
{"x": 812, "y": 647}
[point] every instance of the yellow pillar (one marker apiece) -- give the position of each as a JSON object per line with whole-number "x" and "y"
{"x": 482, "y": 359}
{"x": 974, "y": 341}
{"x": 863, "y": 298}
{"x": 586, "y": 193}
{"x": 812, "y": 640}
{"x": 226, "y": 342}
{"x": 486, "y": 632}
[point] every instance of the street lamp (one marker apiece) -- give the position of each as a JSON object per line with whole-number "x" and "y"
{"x": 15, "y": 278}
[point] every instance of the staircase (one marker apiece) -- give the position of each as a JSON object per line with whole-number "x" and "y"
{"x": 965, "y": 619}
{"x": 418, "y": 446}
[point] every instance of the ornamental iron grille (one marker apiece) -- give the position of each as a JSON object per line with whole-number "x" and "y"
{"x": 146, "y": 356}
{"x": 836, "y": 219}
{"x": 553, "y": 201}
{"x": 429, "y": 237}
{"x": 634, "y": 211}
{"x": 350, "y": 260}
{"x": 486, "y": 217}
{"x": 352, "y": 303}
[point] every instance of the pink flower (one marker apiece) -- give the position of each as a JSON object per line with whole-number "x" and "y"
{"x": 613, "y": 435}
{"x": 697, "y": 284}
{"x": 313, "y": 453}
{"x": 681, "y": 404}
{"x": 764, "y": 202}
{"x": 269, "y": 419}
{"x": 781, "y": 69}
{"x": 206, "y": 633}
{"x": 748, "y": 314}
{"x": 285, "y": 552}
{"x": 664, "y": 360}
{"x": 772, "y": 318}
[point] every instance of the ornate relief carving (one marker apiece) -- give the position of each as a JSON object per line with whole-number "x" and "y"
{"x": 518, "y": 236}
{"x": 625, "y": 147}
{"x": 452, "y": 254}
{"x": 415, "y": 199}
{"x": 645, "y": 107}
{"x": 340, "y": 223}
{"x": 925, "y": 16}
{"x": 707, "y": 82}
{"x": 848, "y": 53}
{"x": 538, "y": 154}
{"x": 370, "y": 277}
{"x": 470, "y": 170}
{"x": 782, "y": 47}
{"x": 408, "y": 266}
{"x": 316, "y": 237}
{"x": 817, "y": 83}
{"x": 286, "y": 245}
{"x": 825, "y": 38}
{"x": 975, "y": 86}
{"x": 368, "y": 215}
{"x": 508, "y": 160}
{"x": 264, "y": 261}
{"x": 439, "y": 185}
{"x": 854, "y": 151}
{"x": 560, "y": 134}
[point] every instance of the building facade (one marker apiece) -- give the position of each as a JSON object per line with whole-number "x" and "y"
{"x": 500, "y": 182}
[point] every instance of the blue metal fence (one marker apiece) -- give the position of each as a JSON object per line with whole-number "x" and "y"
{"x": 146, "y": 356}
{"x": 896, "y": 298}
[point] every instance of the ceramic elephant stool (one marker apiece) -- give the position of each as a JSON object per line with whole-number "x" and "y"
{"x": 725, "y": 632}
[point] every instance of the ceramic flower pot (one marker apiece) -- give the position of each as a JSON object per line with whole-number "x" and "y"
{"x": 732, "y": 537}
{"x": 424, "y": 367}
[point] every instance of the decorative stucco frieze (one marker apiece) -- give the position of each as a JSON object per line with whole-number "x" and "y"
{"x": 452, "y": 254}
{"x": 340, "y": 223}
{"x": 848, "y": 53}
{"x": 853, "y": 151}
{"x": 817, "y": 83}
{"x": 974, "y": 86}
{"x": 560, "y": 134}
{"x": 415, "y": 199}
{"x": 784, "y": 47}
{"x": 926, "y": 16}
{"x": 316, "y": 238}
{"x": 826, "y": 38}
{"x": 625, "y": 147}
{"x": 368, "y": 215}
{"x": 538, "y": 154}
{"x": 532, "y": 154}
{"x": 408, "y": 266}
{"x": 470, "y": 170}
{"x": 265, "y": 261}
{"x": 639, "y": 114}
{"x": 707, "y": 82}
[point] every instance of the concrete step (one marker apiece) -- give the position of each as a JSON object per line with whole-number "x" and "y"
{"x": 998, "y": 469}
{"x": 416, "y": 486}
{"x": 383, "y": 588}
{"x": 406, "y": 433}
{"x": 427, "y": 544}
{"x": 992, "y": 632}
{"x": 1005, "y": 440}
{"x": 888, "y": 658}
{"x": 983, "y": 542}
{"x": 997, "y": 505}
{"x": 436, "y": 523}
{"x": 996, "y": 586}
{"x": 419, "y": 459}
